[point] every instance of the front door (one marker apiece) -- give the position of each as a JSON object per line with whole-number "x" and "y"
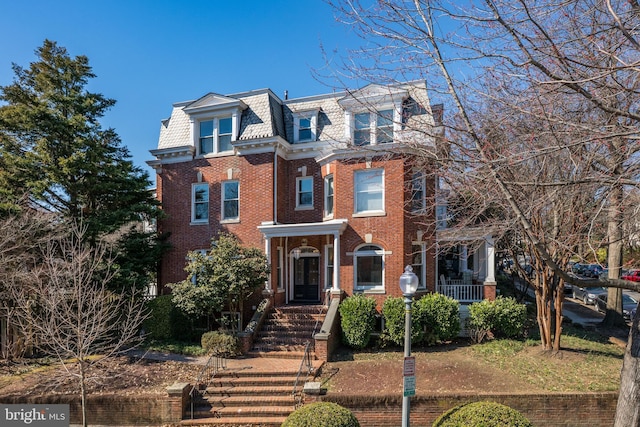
{"x": 306, "y": 278}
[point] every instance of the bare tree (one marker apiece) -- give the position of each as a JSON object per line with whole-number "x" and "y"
{"x": 587, "y": 52}
{"x": 65, "y": 306}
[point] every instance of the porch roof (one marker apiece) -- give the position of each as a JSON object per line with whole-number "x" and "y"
{"x": 333, "y": 226}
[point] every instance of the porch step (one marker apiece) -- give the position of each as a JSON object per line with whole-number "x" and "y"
{"x": 261, "y": 393}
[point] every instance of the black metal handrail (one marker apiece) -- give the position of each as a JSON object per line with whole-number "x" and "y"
{"x": 306, "y": 357}
{"x": 306, "y": 361}
{"x": 215, "y": 363}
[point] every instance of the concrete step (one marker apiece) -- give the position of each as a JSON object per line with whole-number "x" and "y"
{"x": 239, "y": 412}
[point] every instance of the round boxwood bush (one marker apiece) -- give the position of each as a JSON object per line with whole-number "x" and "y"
{"x": 357, "y": 319}
{"x": 324, "y": 414}
{"x": 482, "y": 414}
{"x": 439, "y": 315}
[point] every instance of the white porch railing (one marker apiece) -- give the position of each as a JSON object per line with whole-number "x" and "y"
{"x": 461, "y": 291}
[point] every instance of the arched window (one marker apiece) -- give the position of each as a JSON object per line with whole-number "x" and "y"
{"x": 368, "y": 263}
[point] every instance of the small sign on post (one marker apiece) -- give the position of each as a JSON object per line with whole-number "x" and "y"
{"x": 409, "y": 374}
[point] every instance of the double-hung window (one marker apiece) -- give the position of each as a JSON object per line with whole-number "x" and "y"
{"x": 418, "y": 201}
{"x": 384, "y": 126}
{"x": 216, "y": 135}
{"x": 369, "y": 191}
{"x": 200, "y": 203}
{"x": 418, "y": 251}
{"x": 328, "y": 196}
{"x": 304, "y": 192}
{"x": 373, "y": 127}
{"x": 305, "y": 126}
{"x": 362, "y": 129}
{"x": 369, "y": 268}
{"x": 230, "y": 200}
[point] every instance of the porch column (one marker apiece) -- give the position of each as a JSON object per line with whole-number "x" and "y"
{"x": 267, "y": 252}
{"x": 463, "y": 258}
{"x": 336, "y": 261}
{"x": 491, "y": 260}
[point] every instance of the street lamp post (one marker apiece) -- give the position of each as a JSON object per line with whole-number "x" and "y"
{"x": 408, "y": 286}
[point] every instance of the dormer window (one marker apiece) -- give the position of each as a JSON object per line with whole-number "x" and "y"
{"x": 373, "y": 127}
{"x": 216, "y": 135}
{"x": 305, "y": 126}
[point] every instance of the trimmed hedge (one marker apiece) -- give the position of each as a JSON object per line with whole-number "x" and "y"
{"x": 485, "y": 414}
{"x": 357, "y": 319}
{"x": 504, "y": 317}
{"x": 435, "y": 318}
{"x": 440, "y": 316}
{"x": 325, "y": 414}
{"x": 220, "y": 343}
{"x": 166, "y": 322}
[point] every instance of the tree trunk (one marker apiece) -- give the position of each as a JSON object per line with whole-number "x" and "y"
{"x": 83, "y": 393}
{"x": 613, "y": 317}
{"x": 628, "y": 410}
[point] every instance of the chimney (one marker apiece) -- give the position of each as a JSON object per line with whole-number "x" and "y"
{"x": 286, "y": 95}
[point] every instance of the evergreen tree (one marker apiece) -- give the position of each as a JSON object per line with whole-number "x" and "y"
{"x": 55, "y": 153}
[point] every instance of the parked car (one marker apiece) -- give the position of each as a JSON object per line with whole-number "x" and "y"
{"x": 634, "y": 276}
{"x": 577, "y": 268}
{"x": 592, "y": 270}
{"x": 587, "y": 295}
{"x": 628, "y": 305}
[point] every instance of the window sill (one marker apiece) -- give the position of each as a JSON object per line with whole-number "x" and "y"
{"x": 304, "y": 208}
{"x": 220, "y": 154}
{"x": 367, "y": 214}
{"x": 230, "y": 221}
{"x": 370, "y": 291}
{"x": 199, "y": 222}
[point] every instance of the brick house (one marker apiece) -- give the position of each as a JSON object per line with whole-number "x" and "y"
{"x": 326, "y": 184}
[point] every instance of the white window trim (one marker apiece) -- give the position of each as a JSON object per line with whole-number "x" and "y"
{"x": 374, "y": 212}
{"x": 357, "y": 253}
{"x": 300, "y": 207}
{"x": 222, "y": 200}
{"x": 328, "y": 250}
{"x": 195, "y": 126}
{"x": 195, "y": 221}
{"x": 313, "y": 116}
{"x": 423, "y": 181}
{"x": 325, "y": 213}
{"x": 423, "y": 273}
{"x": 350, "y": 119}
{"x": 280, "y": 268}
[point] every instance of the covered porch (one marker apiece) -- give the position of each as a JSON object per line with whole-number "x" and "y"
{"x": 306, "y": 257}
{"x": 466, "y": 265}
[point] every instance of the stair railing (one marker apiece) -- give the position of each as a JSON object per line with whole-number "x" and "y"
{"x": 306, "y": 357}
{"x": 305, "y": 362}
{"x": 207, "y": 373}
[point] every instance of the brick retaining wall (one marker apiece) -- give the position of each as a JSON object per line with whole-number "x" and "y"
{"x": 543, "y": 410}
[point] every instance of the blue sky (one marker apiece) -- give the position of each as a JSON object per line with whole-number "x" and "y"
{"x": 148, "y": 54}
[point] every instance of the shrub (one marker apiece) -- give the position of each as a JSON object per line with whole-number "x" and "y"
{"x": 324, "y": 414}
{"x": 503, "y": 317}
{"x": 220, "y": 343}
{"x": 393, "y": 313}
{"x": 486, "y": 414}
{"x": 440, "y": 316}
{"x": 166, "y": 322}
{"x": 357, "y": 319}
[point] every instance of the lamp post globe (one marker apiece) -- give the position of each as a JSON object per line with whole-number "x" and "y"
{"x": 408, "y": 282}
